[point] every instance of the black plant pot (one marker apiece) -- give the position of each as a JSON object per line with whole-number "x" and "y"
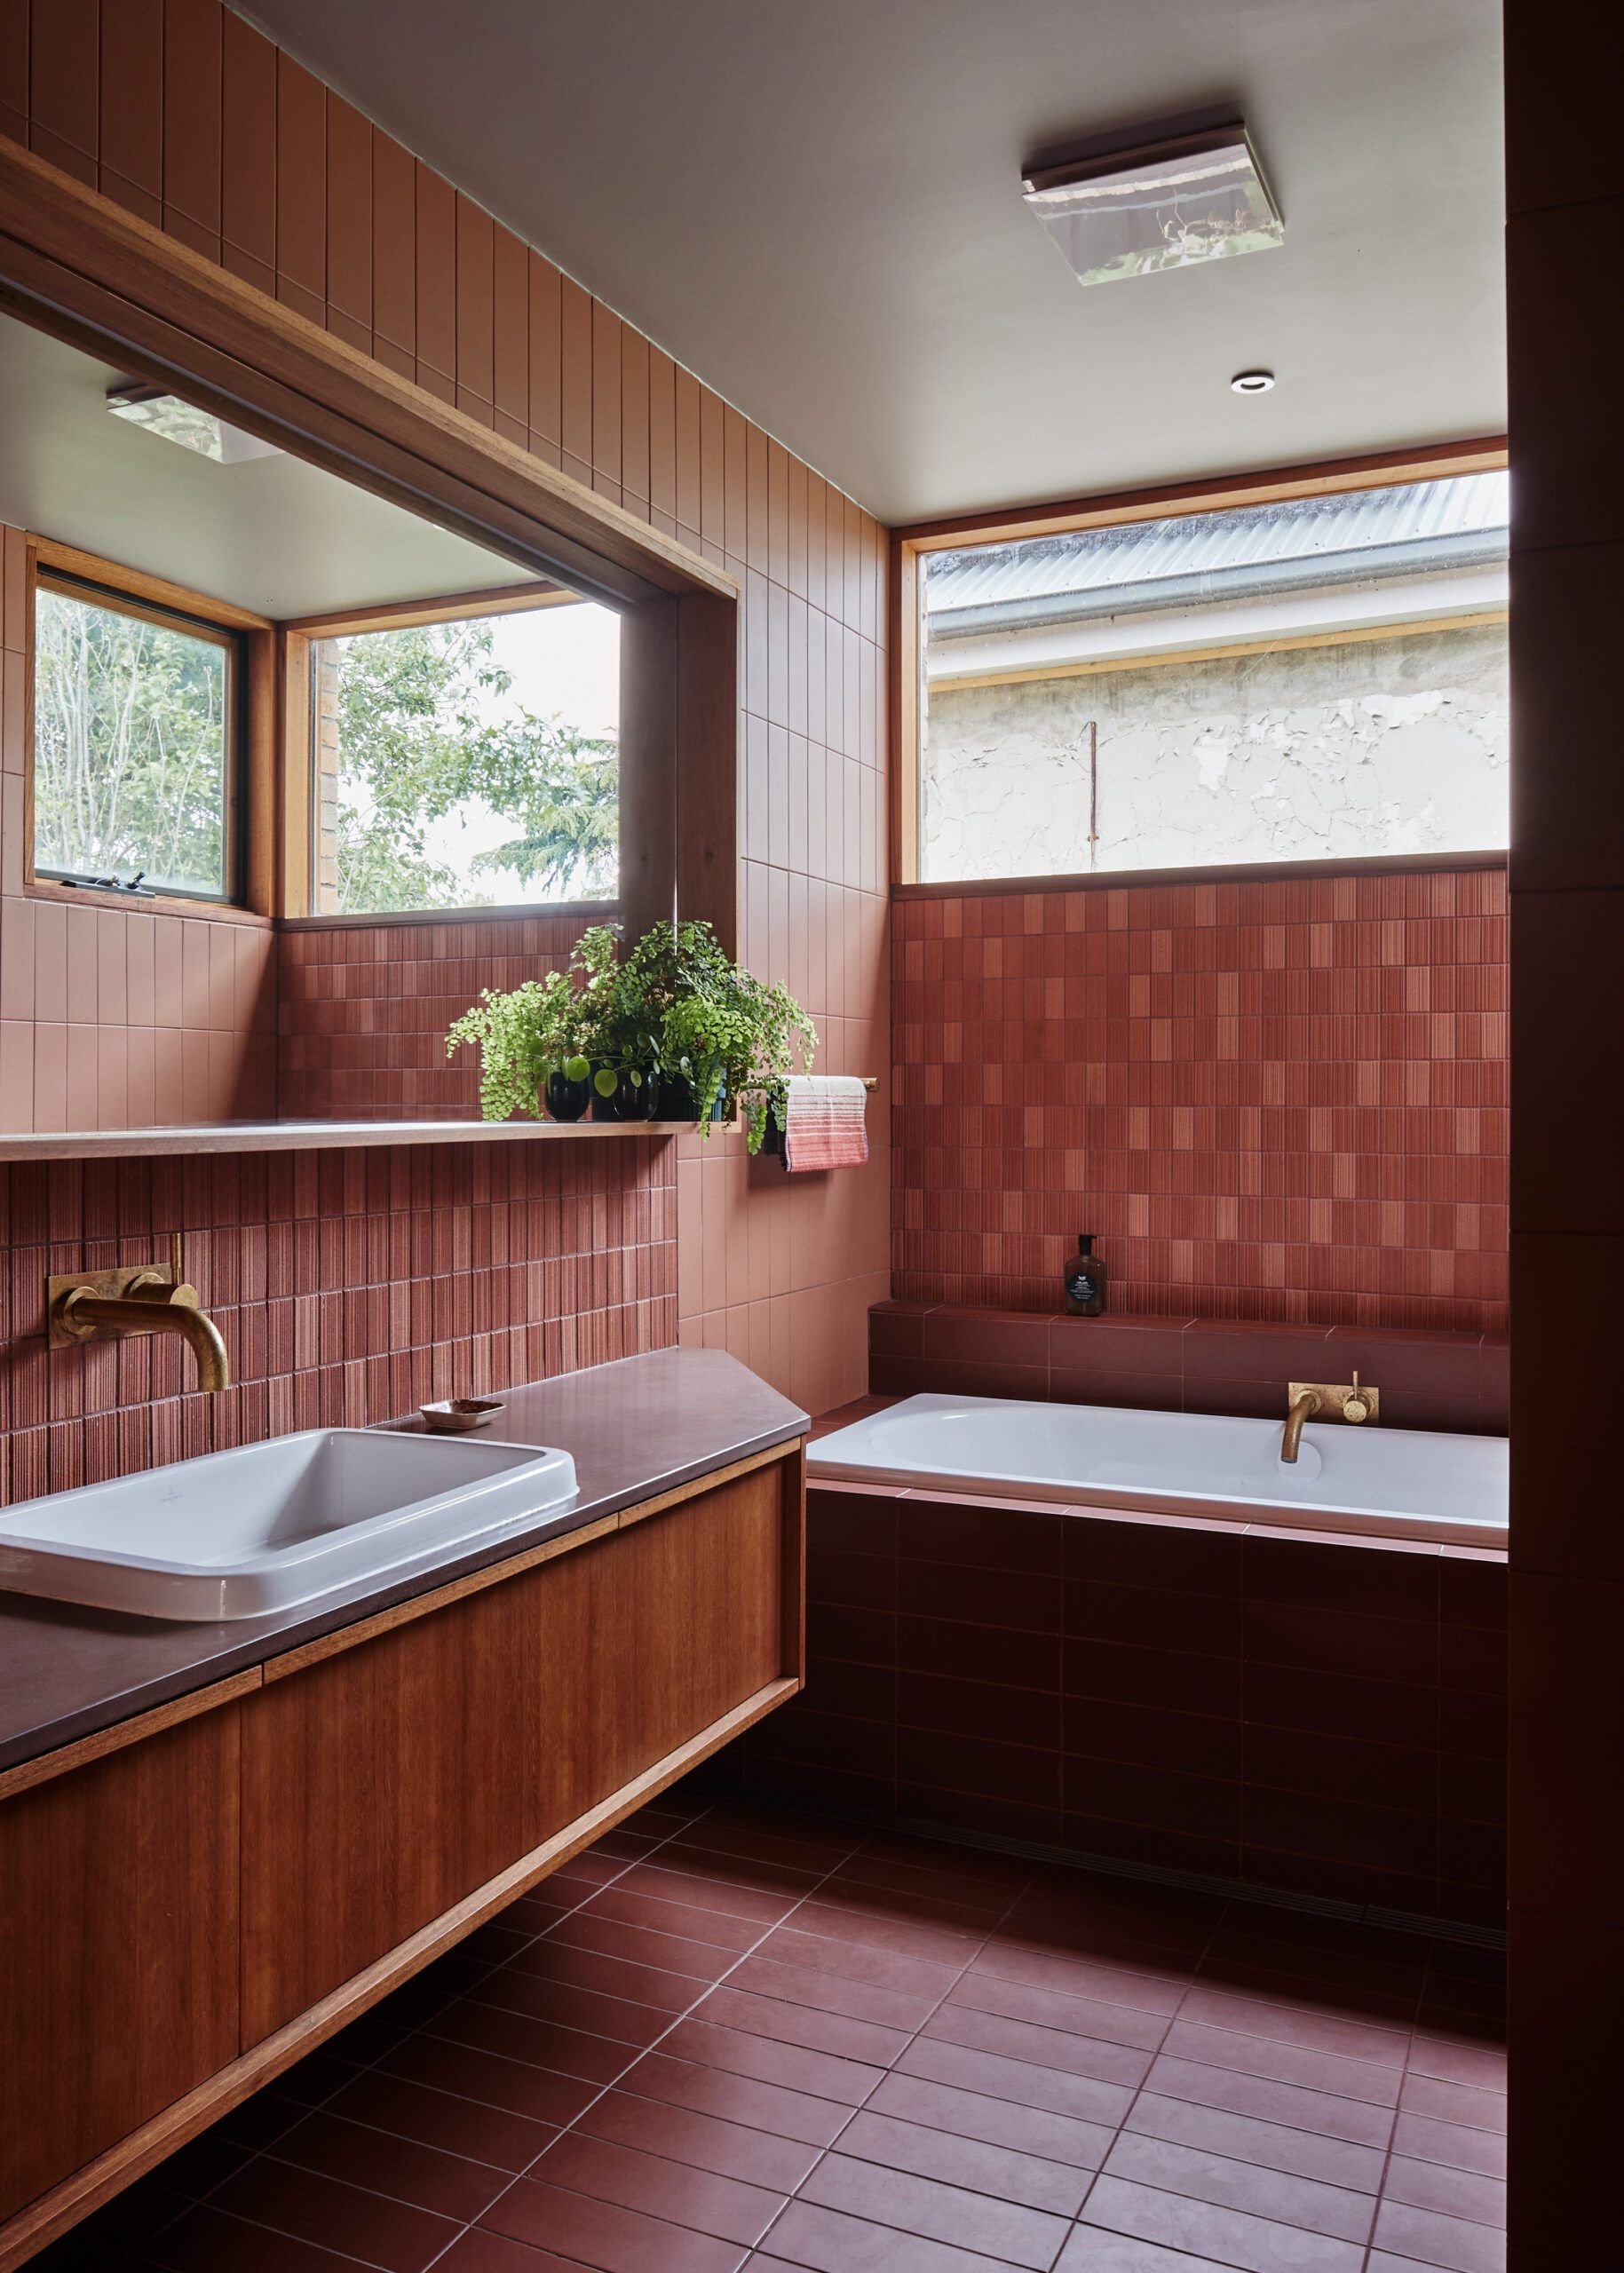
{"x": 566, "y": 1100}
{"x": 679, "y": 1102}
{"x": 627, "y": 1100}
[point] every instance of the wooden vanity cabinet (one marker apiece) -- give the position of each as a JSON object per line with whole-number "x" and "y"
{"x": 382, "y": 1785}
{"x": 118, "y": 1946}
{"x": 190, "y": 1903}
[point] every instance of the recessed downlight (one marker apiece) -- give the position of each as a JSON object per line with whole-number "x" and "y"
{"x": 1252, "y": 382}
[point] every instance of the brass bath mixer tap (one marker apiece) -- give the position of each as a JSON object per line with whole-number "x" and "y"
{"x": 1337, "y": 1400}
{"x": 106, "y": 1305}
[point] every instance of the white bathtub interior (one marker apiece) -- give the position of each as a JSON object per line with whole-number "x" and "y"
{"x": 1406, "y": 1483}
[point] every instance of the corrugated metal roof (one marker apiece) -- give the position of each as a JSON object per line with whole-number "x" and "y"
{"x": 1438, "y": 517}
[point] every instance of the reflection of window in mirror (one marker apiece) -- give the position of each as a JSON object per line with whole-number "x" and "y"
{"x": 136, "y": 743}
{"x": 466, "y": 758}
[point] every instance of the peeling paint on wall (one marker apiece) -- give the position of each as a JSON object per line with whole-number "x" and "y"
{"x": 1380, "y": 746}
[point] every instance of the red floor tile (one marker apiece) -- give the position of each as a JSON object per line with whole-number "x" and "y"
{"x": 727, "y": 2036}
{"x": 937, "y": 2210}
{"x": 972, "y": 2115}
{"x": 606, "y": 2235}
{"x": 1309, "y": 2203}
{"x": 730, "y": 2208}
{"x": 1006, "y": 2173}
{"x": 702, "y": 2142}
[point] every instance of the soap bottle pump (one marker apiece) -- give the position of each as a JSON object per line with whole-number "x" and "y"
{"x": 1084, "y": 1284}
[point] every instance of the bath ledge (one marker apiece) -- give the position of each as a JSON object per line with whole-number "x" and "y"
{"x": 1388, "y": 1533}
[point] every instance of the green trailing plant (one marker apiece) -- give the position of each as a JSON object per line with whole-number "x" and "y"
{"x": 724, "y": 1031}
{"x": 545, "y": 1026}
{"x": 674, "y": 1007}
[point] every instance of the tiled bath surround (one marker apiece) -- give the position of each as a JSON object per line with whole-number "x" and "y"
{"x": 1273, "y": 1099}
{"x": 1323, "y": 1719}
{"x": 349, "y": 1287}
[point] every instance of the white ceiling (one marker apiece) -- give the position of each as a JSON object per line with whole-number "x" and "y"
{"x": 817, "y": 208}
{"x": 274, "y": 535}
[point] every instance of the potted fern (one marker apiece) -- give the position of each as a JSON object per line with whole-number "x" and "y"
{"x": 728, "y": 1037}
{"x": 541, "y": 1042}
{"x": 672, "y": 1026}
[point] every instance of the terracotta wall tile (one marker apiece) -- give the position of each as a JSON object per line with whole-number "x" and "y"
{"x": 193, "y": 86}
{"x": 476, "y": 270}
{"x": 436, "y": 241}
{"x": 248, "y": 155}
{"x": 301, "y": 188}
{"x": 64, "y": 78}
{"x": 349, "y": 227}
{"x": 133, "y": 60}
{"x": 1272, "y": 1101}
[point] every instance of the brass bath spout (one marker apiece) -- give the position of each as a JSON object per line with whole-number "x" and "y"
{"x": 105, "y": 1305}
{"x": 1303, "y": 1409}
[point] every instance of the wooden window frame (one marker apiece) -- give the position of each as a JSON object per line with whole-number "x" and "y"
{"x": 251, "y": 788}
{"x": 299, "y": 638}
{"x": 910, "y": 545}
{"x": 83, "y": 269}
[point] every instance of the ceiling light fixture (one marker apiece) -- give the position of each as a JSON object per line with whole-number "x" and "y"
{"x": 1252, "y": 382}
{"x": 1165, "y": 204}
{"x": 177, "y": 421}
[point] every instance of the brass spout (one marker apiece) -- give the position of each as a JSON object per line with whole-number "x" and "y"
{"x": 82, "y": 1313}
{"x": 1304, "y": 1408}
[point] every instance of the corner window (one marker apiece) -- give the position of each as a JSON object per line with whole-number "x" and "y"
{"x": 135, "y": 744}
{"x": 1311, "y": 678}
{"x": 468, "y": 762}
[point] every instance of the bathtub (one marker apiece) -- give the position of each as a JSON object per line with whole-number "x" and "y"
{"x": 1405, "y": 1483}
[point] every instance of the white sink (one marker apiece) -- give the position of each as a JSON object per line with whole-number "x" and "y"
{"x": 237, "y": 1534}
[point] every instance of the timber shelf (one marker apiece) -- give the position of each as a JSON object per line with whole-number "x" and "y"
{"x": 319, "y": 1135}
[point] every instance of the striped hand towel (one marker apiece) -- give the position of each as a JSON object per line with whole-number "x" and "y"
{"x": 824, "y": 1126}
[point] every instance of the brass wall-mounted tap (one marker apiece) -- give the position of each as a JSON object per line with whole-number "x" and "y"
{"x": 1304, "y": 1405}
{"x": 106, "y": 1305}
{"x": 1337, "y": 1400}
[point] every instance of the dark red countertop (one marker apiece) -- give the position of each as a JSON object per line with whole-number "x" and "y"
{"x": 636, "y": 1428}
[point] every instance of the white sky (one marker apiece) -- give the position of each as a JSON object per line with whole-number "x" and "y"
{"x": 564, "y": 660}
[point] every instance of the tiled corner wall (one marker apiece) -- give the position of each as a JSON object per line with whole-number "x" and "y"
{"x": 1323, "y": 1720}
{"x": 1278, "y": 1100}
{"x": 349, "y": 1286}
{"x": 363, "y": 1009}
{"x": 1567, "y": 875}
{"x": 189, "y": 118}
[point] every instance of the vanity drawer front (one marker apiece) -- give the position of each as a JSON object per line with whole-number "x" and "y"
{"x": 118, "y": 1946}
{"x": 386, "y": 1783}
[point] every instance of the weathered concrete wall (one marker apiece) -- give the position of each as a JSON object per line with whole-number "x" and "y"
{"x": 1394, "y": 745}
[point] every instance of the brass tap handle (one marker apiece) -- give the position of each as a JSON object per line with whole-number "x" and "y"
{"x": 177, "y": 1264}
{"x": 1355, "y": 1408}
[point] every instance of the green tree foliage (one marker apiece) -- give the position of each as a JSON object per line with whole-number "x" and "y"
{"x": 426, "y": 729}
{"x": 129, "y": 746}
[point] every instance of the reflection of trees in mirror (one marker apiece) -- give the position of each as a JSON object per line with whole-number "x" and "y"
{"x": 423, "y": 734}
{"x": 129, "y": 746}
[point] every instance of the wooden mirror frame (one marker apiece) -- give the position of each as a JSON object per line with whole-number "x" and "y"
{"x": 82, "y": 268}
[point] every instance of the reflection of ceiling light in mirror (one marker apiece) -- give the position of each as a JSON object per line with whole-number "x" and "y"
{"x": 177, "y": 421}
{"x": 1165, "y": 205}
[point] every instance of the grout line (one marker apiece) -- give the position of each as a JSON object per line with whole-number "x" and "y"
{"x": 891, "y": 2067}
{"x": 642, "y": 2052}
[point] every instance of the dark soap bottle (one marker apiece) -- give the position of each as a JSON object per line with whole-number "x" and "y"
{"x": 1085, "y": 1279}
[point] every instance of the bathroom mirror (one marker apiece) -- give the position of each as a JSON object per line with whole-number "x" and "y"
{"x": 290, "y": 771}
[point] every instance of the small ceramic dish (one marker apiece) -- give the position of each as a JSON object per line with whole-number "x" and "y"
{"x": 451, "y": 1416}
